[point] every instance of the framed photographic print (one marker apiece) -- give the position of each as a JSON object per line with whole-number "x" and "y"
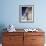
{"x": 26, "y": 13}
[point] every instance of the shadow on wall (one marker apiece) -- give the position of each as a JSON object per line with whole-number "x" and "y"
{"x": 2, "y": 26}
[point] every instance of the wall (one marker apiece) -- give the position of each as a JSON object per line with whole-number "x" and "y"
{"x": 10, "y": 13}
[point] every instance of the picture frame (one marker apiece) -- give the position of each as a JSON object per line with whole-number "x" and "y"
{"x": 26, "y": 13}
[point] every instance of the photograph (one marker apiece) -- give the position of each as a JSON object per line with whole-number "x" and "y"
{"x": 26, "y": 13}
